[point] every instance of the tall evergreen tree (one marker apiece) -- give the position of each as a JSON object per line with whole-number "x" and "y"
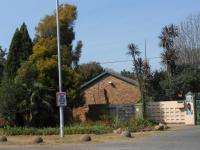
{"x": 2, "y": 61}
{"x": 13, "y": 61}
{"x": 19, "y": 51}
{"x": 26, "y": 43}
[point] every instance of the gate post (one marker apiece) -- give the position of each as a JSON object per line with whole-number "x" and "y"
{"x": 189, "y": 109}
{"x": 197, "y": 108}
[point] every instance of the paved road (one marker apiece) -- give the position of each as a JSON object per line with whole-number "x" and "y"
{"x": 181, "y": 139}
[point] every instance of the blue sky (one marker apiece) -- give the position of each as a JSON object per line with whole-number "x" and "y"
{"x": 106, "y": 27}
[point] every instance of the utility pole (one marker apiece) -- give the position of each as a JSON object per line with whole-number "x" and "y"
{"x": 145, "y": 50}
{"x": 59, "y": 70}
{"x": 145, "y": 78}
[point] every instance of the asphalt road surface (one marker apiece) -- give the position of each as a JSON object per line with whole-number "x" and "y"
{"x": 187, "y": 138}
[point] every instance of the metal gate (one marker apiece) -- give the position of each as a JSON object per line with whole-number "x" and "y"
{"x": 197, "y": 97}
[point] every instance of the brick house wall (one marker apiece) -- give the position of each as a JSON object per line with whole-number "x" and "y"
{"x": 111, "y": 90}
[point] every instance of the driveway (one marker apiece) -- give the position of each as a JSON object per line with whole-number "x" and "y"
{"x": 185, "y": 138}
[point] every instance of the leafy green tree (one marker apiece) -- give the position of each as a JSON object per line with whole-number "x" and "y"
{"x": 156, "y": 91}
{"x": 89, "y": 70}
{"x": 77, "y": 55}
{"x": 186, "y": 79}
{"x": 46, "y": 31}
{"x": 128, "y": 74}
{"x": 36, "y": 105}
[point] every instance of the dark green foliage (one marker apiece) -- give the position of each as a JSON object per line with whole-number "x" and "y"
{"x": 35, "y": 106}
{"x": 26, "y": 44}
{"x": 35, "y": 73}
{"x": 77, "y": 55}
{"x": 11, "y": 93}
{"x": 89, "y": 70}
{"x": 2, "y": 62}
{"x": 128, "y": 74}
{"x": 185, "y": 79}
{"x": 13, "y": 61}
{"x": 8, "y": 100}
{"x": 19, "y": 51}
{"x": 155, "y": 91}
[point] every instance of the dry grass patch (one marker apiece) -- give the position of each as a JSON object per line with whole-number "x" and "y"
{"x": 55, "y": 140}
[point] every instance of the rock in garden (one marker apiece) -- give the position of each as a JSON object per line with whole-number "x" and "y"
{"x": 159, "y": 127}
{"x": 126, "y": 134}
{"x": 38, "y": 140}
{"x": 3, "y": 139}
{"x": 118, "y": 131}
{"x": 165, "y": 127}
{"x": 85, "y": 138}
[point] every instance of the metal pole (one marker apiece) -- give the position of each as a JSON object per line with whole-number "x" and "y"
{"x": 59, "y": 69}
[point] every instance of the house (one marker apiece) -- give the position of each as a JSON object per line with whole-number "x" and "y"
{"x": 111, "y": 88}
{"x": 108, "y": 93}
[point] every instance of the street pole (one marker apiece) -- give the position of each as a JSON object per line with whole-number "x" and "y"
{"x": 59, "y": 69}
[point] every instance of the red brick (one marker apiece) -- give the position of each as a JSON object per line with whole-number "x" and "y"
{"x": 102, "y": 92}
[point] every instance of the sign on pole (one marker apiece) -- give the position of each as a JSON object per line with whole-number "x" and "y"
{"x": 61, "y": 99}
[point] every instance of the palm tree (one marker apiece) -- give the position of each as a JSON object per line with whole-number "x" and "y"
{"x": 169, "y": 55}
{"x": 37, "y": 105}
{"x": 167, "y": 37}
{"x": 134, "y": 52}
{"x": 138, "y": 65}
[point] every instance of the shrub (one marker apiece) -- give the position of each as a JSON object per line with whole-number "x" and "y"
{"x": 139, "y": 124}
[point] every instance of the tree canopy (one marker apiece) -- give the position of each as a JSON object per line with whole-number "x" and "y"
{"x": 34, "y": 71}
{"x": 89, "y": 70}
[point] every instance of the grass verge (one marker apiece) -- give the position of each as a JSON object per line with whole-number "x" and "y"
{"x": 12, "y": 131}
{"x": 84, "y": 128}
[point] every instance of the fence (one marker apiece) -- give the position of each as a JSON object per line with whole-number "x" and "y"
{"x": 167, "y": 111}
{"x": 120, "y": 112}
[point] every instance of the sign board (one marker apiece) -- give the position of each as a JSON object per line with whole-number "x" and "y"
{"x": 61, "y": 99}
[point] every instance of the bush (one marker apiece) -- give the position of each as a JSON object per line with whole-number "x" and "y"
{"x": 133, "y": 125}
{"x": 139, "y": 124}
